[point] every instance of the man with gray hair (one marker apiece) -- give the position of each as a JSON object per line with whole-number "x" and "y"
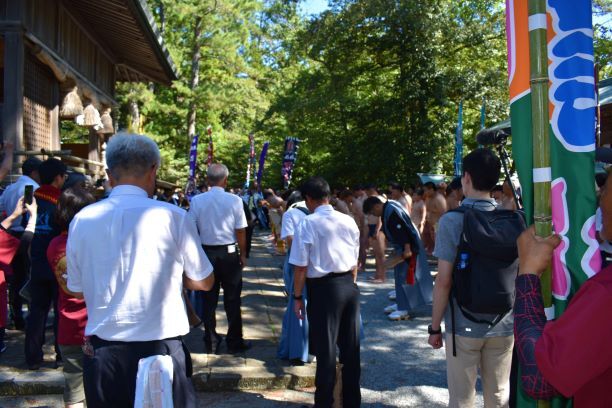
{"x": 222, "y": 224}
{"x": 130, "y": 256}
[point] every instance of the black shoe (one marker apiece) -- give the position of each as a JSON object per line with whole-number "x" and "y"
{"x": 239, "y": 348}
{"x": 208, "y": 343}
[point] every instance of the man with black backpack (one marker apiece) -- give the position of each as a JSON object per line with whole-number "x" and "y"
{"x": 474, "y": 290}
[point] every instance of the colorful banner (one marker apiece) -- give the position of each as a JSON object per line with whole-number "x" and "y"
{"x": 210, "y": 150}
{"x": 190, "y": 188}
{"x": 262, "y": 160}
{"x": 251, "y": 161}
{"x": 483, "y": 113}
{"x": 289, "y": 158}
{"x": 572, "y": 140}
{"x": 459, "y": 141}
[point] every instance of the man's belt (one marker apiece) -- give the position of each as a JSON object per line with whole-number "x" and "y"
{"x": 228, "y": 248}
{"x": 331, "y": 275}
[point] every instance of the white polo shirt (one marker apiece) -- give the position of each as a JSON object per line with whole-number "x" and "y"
{"x": 217, "y": 215}
{"x": 326, "y": 241}
{"x": 291, "y": 219}
{"x": 12, "y": 194}
{"x": 127, "y": 255}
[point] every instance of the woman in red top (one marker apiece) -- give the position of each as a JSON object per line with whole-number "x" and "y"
{"x": 72, "y": 311}
{"x": 9, "y": 245}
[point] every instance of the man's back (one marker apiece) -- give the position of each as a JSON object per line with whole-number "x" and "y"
{"x": 127, "y": 255}
{"x": 217, "y": 214}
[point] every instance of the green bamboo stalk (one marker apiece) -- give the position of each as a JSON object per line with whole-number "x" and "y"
{"x": 538, "y": 56}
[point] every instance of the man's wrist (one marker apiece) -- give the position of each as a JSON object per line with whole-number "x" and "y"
{"x": 433, "y": 331}
{"x": 298, "y": 297}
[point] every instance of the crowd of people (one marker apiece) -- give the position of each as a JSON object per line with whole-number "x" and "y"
{"x": 129, "y": 269}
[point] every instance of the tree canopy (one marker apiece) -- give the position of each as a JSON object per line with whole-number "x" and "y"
{"x": 371, "y": 87}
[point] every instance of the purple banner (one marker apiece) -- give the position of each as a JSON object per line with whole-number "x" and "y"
{"x": 289, "y": 158}
{"x": 262, "y": 160}
{"x": 193, "y": 158}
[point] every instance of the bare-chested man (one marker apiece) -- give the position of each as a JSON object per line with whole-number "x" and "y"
{"x": 419, "y": 211}
{"x": 436, "y": 207}
{"x": 454, "y": 194}
{"x": 376, "y": 238}
{"x": 359, "y": 197}
{"x": 398, "y": 194}
{"x": 276, "y": 207}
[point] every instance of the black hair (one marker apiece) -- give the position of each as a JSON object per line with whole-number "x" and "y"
{"x": 345, "y": 193}
{"x": 74, "y": 179}
{"x": 358, "y": 187}
{"x": 293, "y": 198}
{"x": 396, "y": 186}
{"x": 70, "y": 202}
{"x": 455, "y": 184}
{"x": 429, "y": 184}
{"x": 30, "y": 165}
{"x": 484, "y": 168}
{"x": 419, "y": 192}
{"x": 497, "y": 187}
{"x": 50, "y": 169}
{"x": 370, "y": 186}
{"x": 369, "y": 203}
{"x": 600, "y": 179}
{"x": 316, "y": 188}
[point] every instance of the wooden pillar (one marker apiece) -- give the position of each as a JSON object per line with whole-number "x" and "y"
{"x": 94, "y": 149}
{"x": 12, "y": 110}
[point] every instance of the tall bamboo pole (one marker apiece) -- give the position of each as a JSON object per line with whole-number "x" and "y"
{"x": 538, "y": 56}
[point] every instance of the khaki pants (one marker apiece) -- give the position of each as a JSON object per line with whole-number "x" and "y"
{"x": 493, "y": 356}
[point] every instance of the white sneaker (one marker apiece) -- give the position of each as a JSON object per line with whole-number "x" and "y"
{"x": 390, "y": 309}
{"x": 391, "y": 295}
{"x": 399, "y": 315}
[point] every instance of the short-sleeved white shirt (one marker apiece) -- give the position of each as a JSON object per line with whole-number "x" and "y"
{"x": 217, "y": 215}
{"x": 291, "y": 219}
{"x": 127, "y": 254}
{"x": 326, "y": 241}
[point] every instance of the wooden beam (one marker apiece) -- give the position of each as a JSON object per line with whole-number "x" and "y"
{"x": 84, "y": 82}
{"x": 11, "y": 26}
{"x": 12, "y": 111}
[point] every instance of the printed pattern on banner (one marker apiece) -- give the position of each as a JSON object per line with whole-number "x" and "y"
{"x": 289, "y": 158}
{"x": 572, "y": 140}
{"x": 251, "y": 161}
{"x": 459, "y": 142}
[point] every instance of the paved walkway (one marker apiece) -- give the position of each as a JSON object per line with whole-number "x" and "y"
{"x": 398, "y": 367}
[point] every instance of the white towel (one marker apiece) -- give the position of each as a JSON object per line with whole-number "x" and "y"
{"x": 154, "y": 382}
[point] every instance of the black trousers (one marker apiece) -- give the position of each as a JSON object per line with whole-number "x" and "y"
{"x": 249, "y": 239}
{"x": 21, "y": 268}
{"x": 228, "y": 275}
{"x": 44, "y": 295}
{"x": 109, "y": 377}
{"x": 333, "y": 317}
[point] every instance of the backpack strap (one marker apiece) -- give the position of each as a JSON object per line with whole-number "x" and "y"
{"x": 302, "y": 209}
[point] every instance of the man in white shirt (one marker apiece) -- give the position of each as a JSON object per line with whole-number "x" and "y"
{"x": 324, "y": 252}
{"x": 222, "y": 224}
{"x": 21, "y": 262}
{"x": 129, "y": 256}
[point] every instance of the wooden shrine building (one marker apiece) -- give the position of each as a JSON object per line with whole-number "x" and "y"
{"x": 60, "y": 60}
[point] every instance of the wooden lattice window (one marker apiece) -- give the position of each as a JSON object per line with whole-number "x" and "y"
{"x": 40, "y": 94}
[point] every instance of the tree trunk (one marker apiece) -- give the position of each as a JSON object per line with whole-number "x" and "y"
{"x": 195, "y": 77}
{"x": 134, "y": 116}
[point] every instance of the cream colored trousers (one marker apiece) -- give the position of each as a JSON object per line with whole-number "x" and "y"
{"x": 492, "y": 356}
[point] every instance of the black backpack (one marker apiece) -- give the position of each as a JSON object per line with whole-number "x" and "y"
{"x": 486, "y": 264}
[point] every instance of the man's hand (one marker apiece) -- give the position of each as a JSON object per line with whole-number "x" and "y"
{"x": 243, "y": 261}
{"x": 32, "y": 208}
{"x": 535, "y": 253}
{"x": 298, "y": 309}
{"x": 19, "y": 209}
{"x": 435, "y": 341}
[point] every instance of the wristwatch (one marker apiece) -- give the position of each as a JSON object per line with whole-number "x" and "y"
{"x": 432, "y": 331}
{"x": 298, "y": 297}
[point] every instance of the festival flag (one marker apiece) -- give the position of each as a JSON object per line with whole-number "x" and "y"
{"x": 251, "y": 161}
{"x": 210, "y": 150}
{"x": 289, "y": 158}
{"x": 190, "y": 188}
{"x": 459, "y": 141}
{"x": 569, "y": 100}
{"x": 483, "y": 113}
{"x": 262, "y": 160}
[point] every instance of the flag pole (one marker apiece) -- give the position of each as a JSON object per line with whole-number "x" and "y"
{"x": 538, "y": 50}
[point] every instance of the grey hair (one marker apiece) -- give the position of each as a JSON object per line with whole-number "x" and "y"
{"x": 216, "y": 173}
{"x": 131, "y": 155}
